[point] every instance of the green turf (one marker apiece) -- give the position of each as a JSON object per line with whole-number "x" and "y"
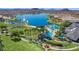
{"x": 65, "y": 44}
{"x": 10, "y": 45}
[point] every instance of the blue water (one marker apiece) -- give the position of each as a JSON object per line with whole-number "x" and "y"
{"x": 61, "y": 36}
{"x": 39, "y": 20}
{"x": 34, "y": 19}
{"x": 48, "y": 34}
{"x": 52, "y": 27}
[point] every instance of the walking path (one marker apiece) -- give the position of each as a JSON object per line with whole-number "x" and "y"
{"x": 60, "y": 49}
{"x": 65, "y": 49}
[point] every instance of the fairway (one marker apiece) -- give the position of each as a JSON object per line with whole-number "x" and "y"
{"x": 10, "y": 45}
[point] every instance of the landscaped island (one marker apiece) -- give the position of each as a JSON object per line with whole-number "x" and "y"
{"x": 38, "y": 32}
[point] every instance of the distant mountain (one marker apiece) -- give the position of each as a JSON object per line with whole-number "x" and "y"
{"x": 35, "y": 9}
{"x": 65, "y": 9}
{"x": 52, "y": 9}
{"x": 15, "y": 8}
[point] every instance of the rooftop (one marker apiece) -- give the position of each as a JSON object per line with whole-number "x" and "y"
{"x": 73, "y": 31}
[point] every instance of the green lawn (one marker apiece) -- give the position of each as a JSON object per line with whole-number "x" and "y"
{"x": 10, "y": 45}
{"x": 65, "y": 44}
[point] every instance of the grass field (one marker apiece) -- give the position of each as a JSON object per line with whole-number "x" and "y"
{"x": 10, "y": 45}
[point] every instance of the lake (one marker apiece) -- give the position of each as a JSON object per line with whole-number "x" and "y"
{"x": 34, "y": 19}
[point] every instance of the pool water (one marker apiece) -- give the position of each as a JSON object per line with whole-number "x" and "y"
{"x": 53, "y": 27}
{"x": 48, "y": 34}
{"x": 61, "y": 37}
{"x": 50, "y": 30}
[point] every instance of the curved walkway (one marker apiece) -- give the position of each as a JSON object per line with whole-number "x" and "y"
{"x": 66, "y": 49}
{"x": 60, "y": 49}
{"x": 69, "y": 48}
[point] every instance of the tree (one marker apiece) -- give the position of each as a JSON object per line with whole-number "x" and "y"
{"x": 16, "y": 35}
{"x": 3, "y": 24}
{"x": 14, "y": 19}
{"x": 58, "y": 34}
{"x": 17, "y": 32}
{"x": 54, "y": 20}
{"x": 66, "y": 24}
{"x": 1, "y": 44}
{"x": 16, "y": 39}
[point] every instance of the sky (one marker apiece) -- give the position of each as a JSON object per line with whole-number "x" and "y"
{"x": 39, "y": 4}
{"x": 57, "y": 4}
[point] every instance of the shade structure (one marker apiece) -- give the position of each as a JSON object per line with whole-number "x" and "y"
{"x": 34, "y": 19}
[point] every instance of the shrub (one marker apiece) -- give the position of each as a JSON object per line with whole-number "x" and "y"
{"x": 16, "y": 39}
{"x": 66, "y": 24}
{"x": 53, "y": 43}
{"x": 1, "y": 45}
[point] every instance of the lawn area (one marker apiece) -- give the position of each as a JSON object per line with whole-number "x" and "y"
{"x": 65, "y": 45}
{"x": 22, "y": 31}
{"x": 76, "y": 49}
{"x": 10, "y": 45}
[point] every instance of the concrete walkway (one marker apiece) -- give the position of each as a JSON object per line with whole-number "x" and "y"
{"x": 70, "y": 49}
{"x": 56, "y": 49}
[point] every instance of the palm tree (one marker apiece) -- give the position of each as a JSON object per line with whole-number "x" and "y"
{"x": 66, "y": 23}
{"x": 16, "y": 35}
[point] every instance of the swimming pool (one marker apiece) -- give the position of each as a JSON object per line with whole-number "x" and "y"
{"x": 54, "y": 26}
{"x": 50, "y": 29}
